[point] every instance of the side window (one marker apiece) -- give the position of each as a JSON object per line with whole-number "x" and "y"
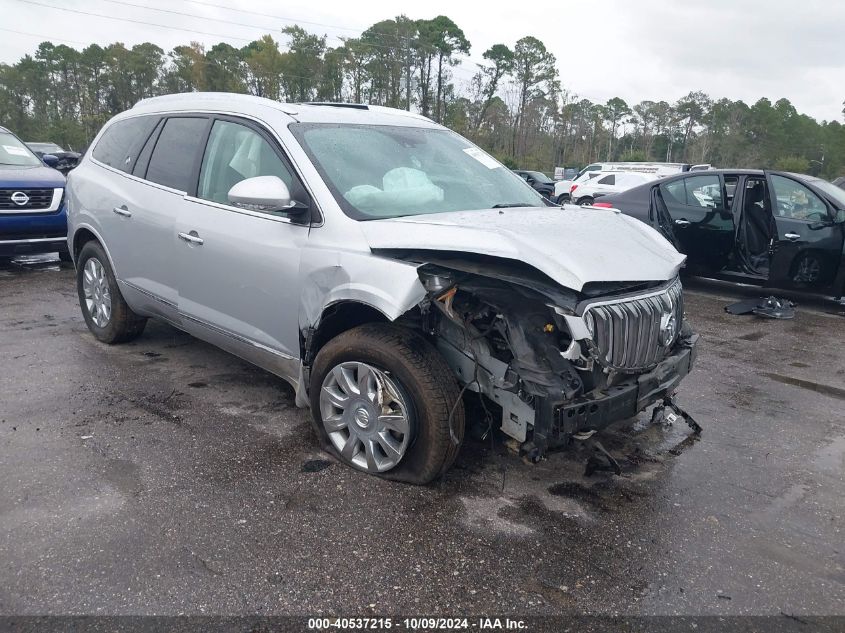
{"x": 172, "y": 160}
{"x": 235, "y": 153}
{"x": 704, "y": 191}
{"x": 796, "y": 201}
{"x": 674, "y": 192}
{"x": 119, "y": 145}
{"x": 607, "y": 180}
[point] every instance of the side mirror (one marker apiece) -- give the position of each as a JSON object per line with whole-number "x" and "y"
{"x": 50, "y": 160}
{"x": 263, "y": 193}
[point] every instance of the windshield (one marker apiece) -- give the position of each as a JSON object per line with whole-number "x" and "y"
{"x": 380, "y": 171}
{"x": 13, "y": 152}
{"x": 47, "y": 148}
{"x": 541, "y": 177}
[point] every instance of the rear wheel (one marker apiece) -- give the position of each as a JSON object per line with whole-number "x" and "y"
{"x": 563, "y": 198}
{"x": 385, "y": 402}
{"x": 106, "y": 313}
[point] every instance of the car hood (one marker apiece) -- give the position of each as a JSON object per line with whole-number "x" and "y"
{"x": 13, "y": 176}
{"x": 571, "y": 245}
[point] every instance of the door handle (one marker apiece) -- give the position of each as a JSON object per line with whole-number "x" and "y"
{"x": 192, "y": 238}
{"x": 122, "y": 210}
{"x": 682, "y": 222}
{"x": 792, "y": 236}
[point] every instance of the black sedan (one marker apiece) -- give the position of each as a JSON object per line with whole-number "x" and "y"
{"x": 67, "y": 159}
{"x": 771, "y": 228}
{"x": 539, "y": 181}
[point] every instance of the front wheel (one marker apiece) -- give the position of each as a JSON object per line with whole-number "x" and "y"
{"x": 563, "y": 199}
{"x": 107, "y": 315}
{"x": 586, "y": 201}
{"x": 385, "y": 402}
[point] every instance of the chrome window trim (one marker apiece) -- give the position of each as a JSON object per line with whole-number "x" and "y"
{"x": 255, "y": 214}
{"x": 237, "y": 115}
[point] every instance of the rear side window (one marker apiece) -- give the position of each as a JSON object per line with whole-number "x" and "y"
{"x": 119, "y": 145}
{"x": 174, "y": 157}
{"x": 607, "y": 180}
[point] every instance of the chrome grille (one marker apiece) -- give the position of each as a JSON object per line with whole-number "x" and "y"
{"x": 35, "y": 199}
{"x": 630, "y": 332}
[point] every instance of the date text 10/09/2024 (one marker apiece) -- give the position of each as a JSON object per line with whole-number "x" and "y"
{"x": 417, "y": 624}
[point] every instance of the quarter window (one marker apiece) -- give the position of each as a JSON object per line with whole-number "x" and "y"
{"x": 235, "y": 153}
{"x": 796, "y": 201}
{"x": 119, "y": 145}
{"x": 607, "y": 180}
{"x": 174, "y": 156}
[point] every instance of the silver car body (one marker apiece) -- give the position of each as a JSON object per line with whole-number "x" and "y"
{"x": 256, "y": 284}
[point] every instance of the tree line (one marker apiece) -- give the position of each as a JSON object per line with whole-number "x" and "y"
{"x": 513, "y": 104}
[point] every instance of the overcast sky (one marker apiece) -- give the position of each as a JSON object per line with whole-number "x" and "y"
{"x": 643, "y": 49}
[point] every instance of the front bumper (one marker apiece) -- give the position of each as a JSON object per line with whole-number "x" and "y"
{"x": 599, "y": 409}
{"x": 33, "y": 233}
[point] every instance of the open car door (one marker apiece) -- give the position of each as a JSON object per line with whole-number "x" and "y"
{"x": 807, "y": 250}
{"x": 660, "y": 218}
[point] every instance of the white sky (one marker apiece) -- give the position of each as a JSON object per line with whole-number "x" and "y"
{"x": 635, "y": 49}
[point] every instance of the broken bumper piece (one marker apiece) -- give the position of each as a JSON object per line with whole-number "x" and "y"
{"x": 598, "y": 409}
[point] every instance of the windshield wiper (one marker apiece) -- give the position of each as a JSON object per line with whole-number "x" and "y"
{"x": 508, "y": 205}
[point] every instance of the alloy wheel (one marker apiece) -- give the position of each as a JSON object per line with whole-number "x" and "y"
{"x": 95, "y": 286}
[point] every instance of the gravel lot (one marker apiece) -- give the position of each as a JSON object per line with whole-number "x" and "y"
{"x": 168, "y": 477}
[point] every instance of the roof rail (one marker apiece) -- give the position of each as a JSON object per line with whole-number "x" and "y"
{"x": 287, "y": 108}
{"x": 335, "y": 104}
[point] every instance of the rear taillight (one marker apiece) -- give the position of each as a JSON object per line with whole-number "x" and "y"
{"x": 603, "y": 205}
{"x": 574, "y": 187}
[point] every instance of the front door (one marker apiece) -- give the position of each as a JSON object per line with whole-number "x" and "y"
{"x": 808, "y": 248}
{"x": 701, "y": 220}
{"x": 238, "y": 269}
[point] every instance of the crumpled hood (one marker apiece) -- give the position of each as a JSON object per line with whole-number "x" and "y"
{"x": 573, "y": 245}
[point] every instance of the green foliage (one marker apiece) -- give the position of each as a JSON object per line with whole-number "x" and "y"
{"x": 634, "y": 156}
{"x": 796, "y": 164}
{"x": 514, "y": 106}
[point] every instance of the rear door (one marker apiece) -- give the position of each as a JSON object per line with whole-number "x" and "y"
{"x": 701, "y": 219}
{"x": 808, "y": 248}
{"x": 238, "y": 269}
{"x": 164, "y": 171}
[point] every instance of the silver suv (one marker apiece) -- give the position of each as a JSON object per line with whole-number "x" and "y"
{"x": 383, "y": 266}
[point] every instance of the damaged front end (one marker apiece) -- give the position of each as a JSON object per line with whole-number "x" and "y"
{"x": 557, "y": 363}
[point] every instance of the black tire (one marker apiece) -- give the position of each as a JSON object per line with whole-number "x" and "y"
{"x": 422, "y": 374}
{"x": 585, "y": 201}
{"x": 123, "y": 325}
{"x": 563, "y": 198}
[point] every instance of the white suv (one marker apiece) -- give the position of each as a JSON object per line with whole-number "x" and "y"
{"x": 382, "y": 265}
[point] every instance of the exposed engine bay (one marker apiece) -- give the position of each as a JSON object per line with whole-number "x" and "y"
{"x": 546, "y": 355}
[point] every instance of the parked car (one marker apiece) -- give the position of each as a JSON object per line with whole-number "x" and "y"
{"x": 539, "y": 181}
{"x": 658, "y": 170}
{"x": 606, "y": 183}
{"x": 32, "y": 210}
{"x": 67, "y": 160}
{"x": 382, "y": 265}
{"x": 779, "y": 229}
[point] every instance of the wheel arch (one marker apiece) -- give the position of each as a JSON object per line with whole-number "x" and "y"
{"x": 84, "y": 234}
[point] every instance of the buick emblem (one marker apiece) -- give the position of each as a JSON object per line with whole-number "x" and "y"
{"x": 20, "y": 198}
